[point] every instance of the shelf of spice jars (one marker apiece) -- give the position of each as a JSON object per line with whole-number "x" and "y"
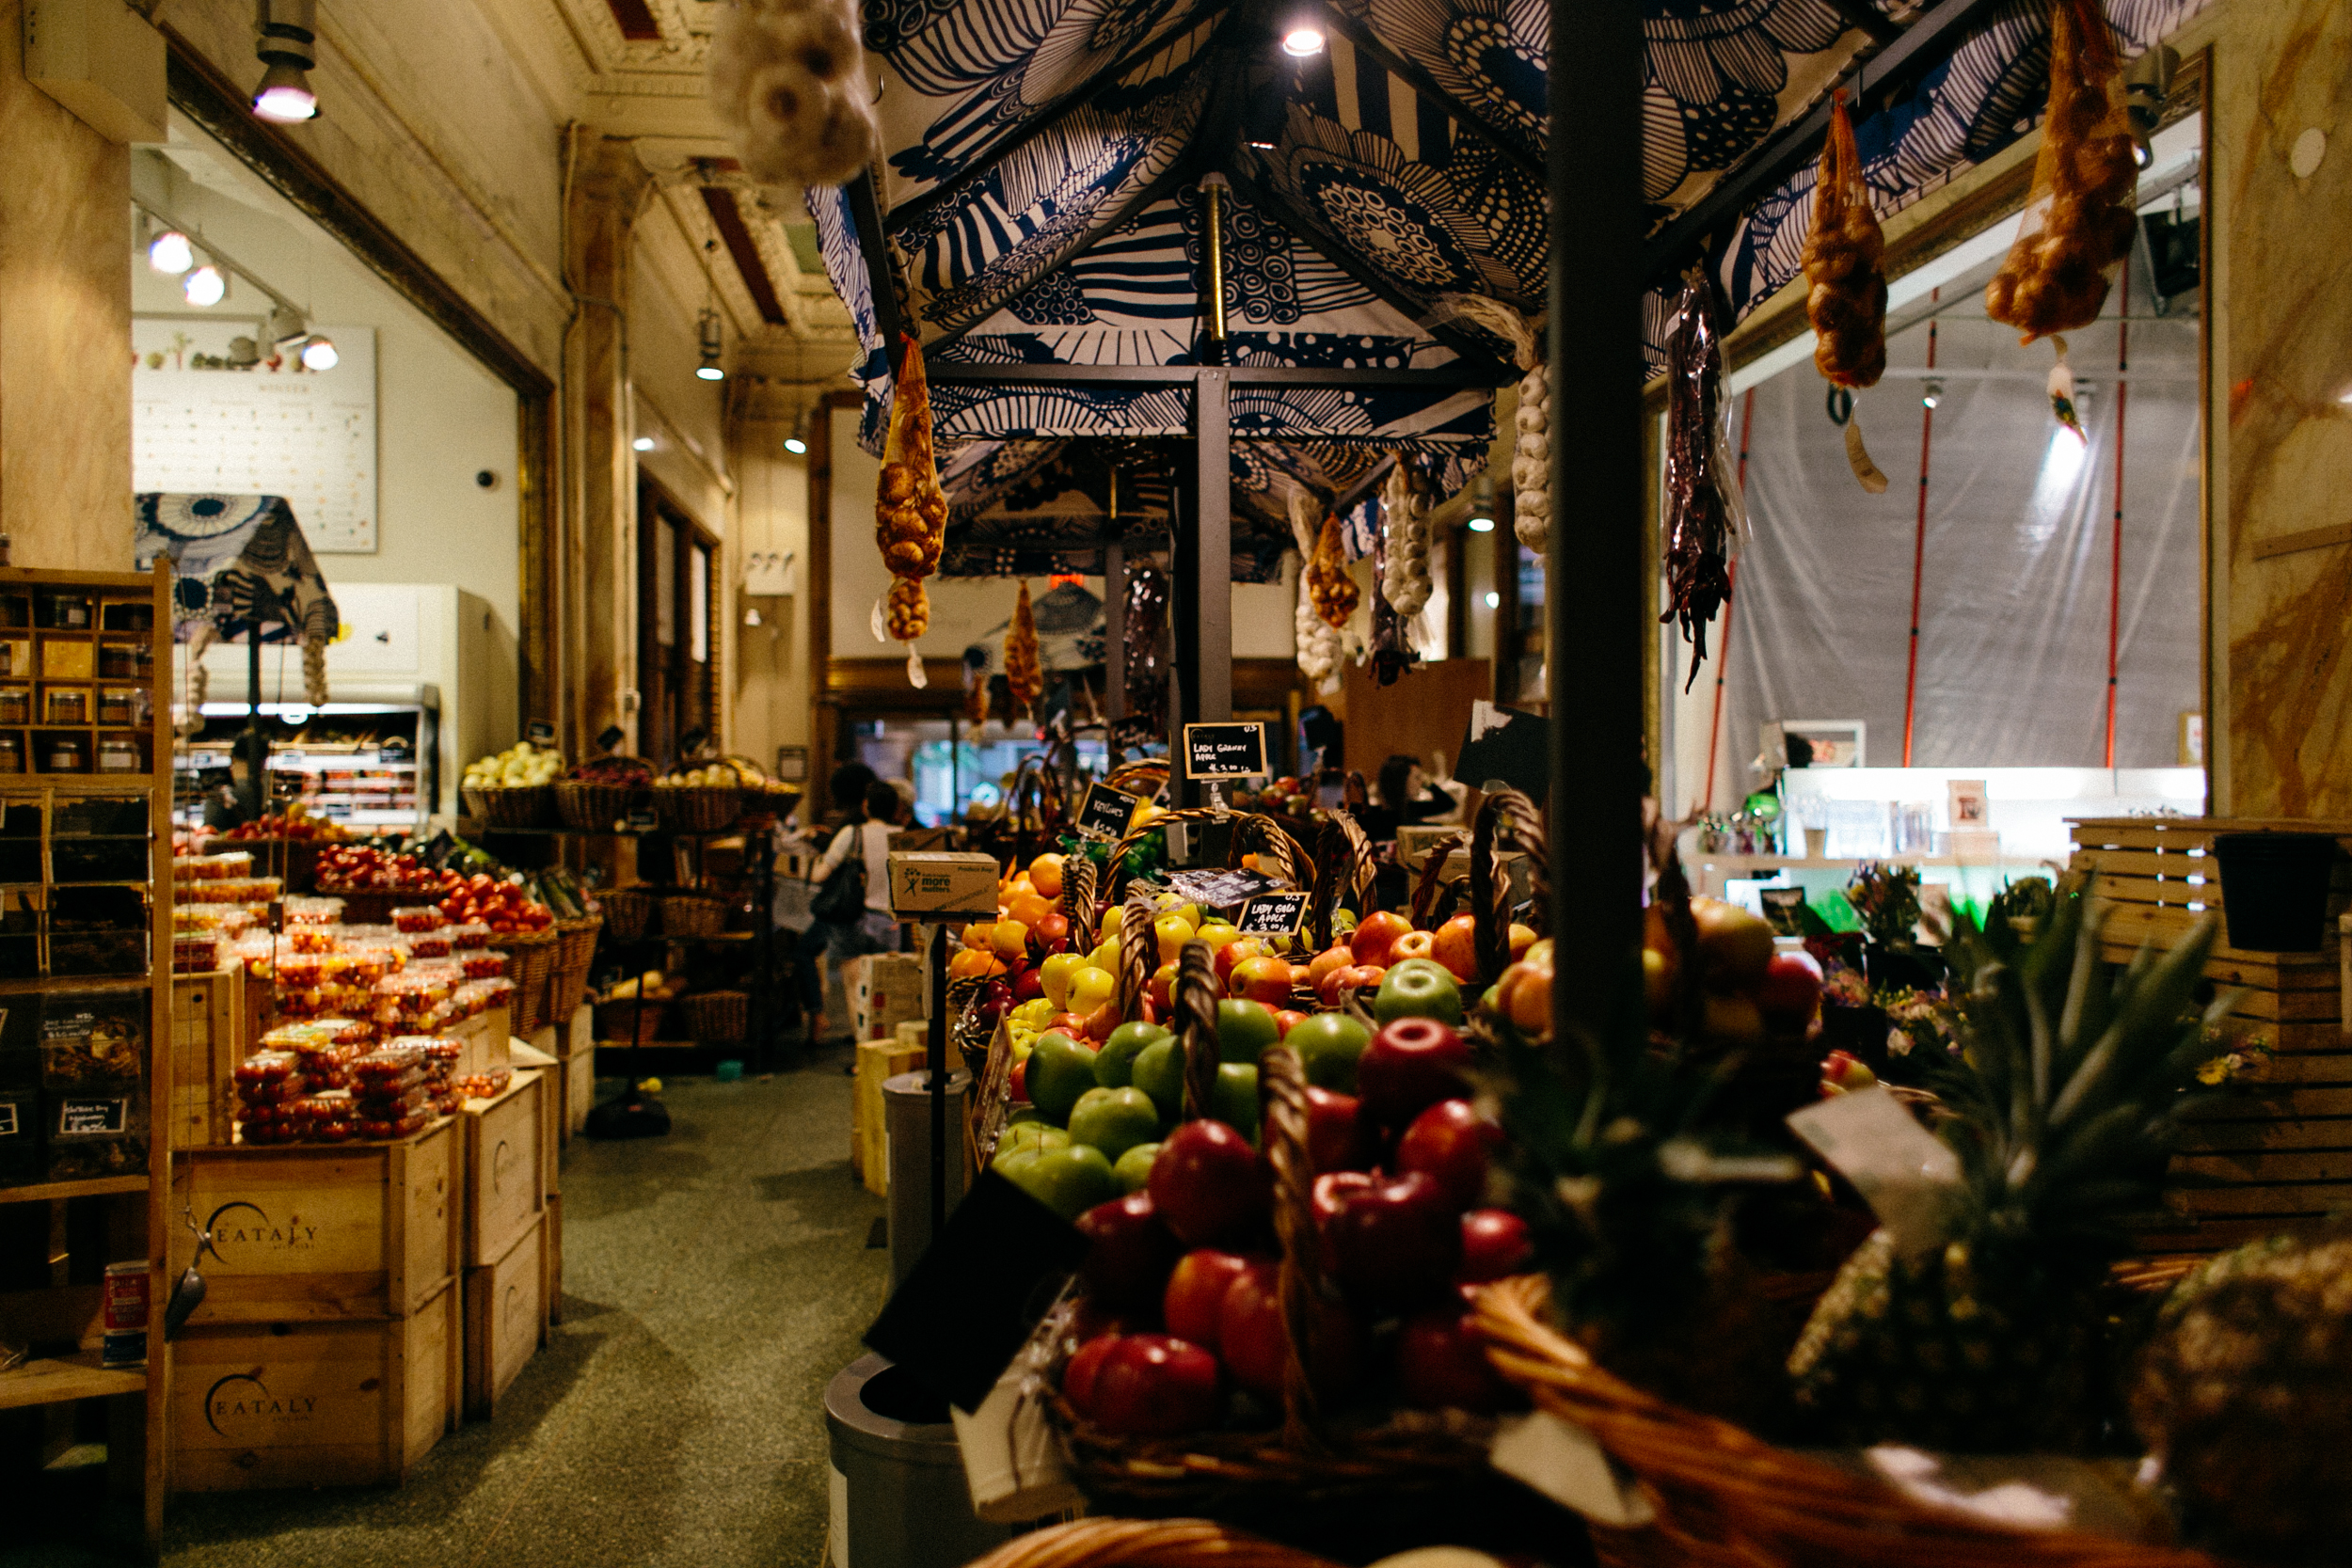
{"x": 77, "y": 678}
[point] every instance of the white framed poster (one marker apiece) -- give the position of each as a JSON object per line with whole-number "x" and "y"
{"x": 274, "y": 429}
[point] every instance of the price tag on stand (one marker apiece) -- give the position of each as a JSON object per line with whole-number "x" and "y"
{"x": 1273, "y": 914}
{"x": 1225, "y": 750}
{"x": 1105, "y": 812}
{"x": 92, "y": 1118}
{"x": 1222, "y": 889}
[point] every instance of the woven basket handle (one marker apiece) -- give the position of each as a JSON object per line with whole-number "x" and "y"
{"x": 1425, "y": 886}
{"x": 1078, "y": 901}
{"x": 1138, "y": 950}
{"x": 1195, "y": 997}
{"x": 1282, "y": 1124}
{"x": 1506, "y": 821}
{"x": 1342, "y": 863}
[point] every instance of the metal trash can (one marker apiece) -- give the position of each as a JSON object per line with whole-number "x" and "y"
{"x": 898, "y": 1499}
{"x": 907, "y": 1126}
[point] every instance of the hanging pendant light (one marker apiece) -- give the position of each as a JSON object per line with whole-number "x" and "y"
{"x": 204, "y": 286}
{"x": 286, "y": 40}
{"x": 171, "y": 253}
{"x": 713, "y": 341}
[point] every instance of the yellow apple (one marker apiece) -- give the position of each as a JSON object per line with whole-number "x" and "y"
{"x": 1054, "y": 973}
{"x": 1090, "y": 987}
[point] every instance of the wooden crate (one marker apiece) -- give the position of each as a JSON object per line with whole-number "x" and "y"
{"x": 505, "y": 1168}
{"x": 876, "y": 1061}
{"x": 483, "y": 1039}
{"x": 577, "y": 1084}
{"x": 506, "y": 1319}
{"x": 256, "y": 1406}
{"x": 2162, "y": 875}
{"x": 208, "y": 1040}
{"x": 312, "y": 1232}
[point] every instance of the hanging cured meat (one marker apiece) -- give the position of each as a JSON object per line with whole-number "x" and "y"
{"x": 1023, "y": 670}
{"x": 2079, "y": 222}
{"x": 1703, "y": 510}
{"x": 1334, "y": 592}
{"x": 1845, "y": 265}
{"x": 910, "y": 508}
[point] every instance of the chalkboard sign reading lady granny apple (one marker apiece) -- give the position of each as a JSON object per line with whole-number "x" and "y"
{"x": 1224, "y": 750}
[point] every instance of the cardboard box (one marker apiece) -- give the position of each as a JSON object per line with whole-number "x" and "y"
{"x": 885, "y": 990}
{"x": 930, "y": 886}
{"x": 1414, "y": 840}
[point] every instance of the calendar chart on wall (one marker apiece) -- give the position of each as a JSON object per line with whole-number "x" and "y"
{"x": 274, "y": 428}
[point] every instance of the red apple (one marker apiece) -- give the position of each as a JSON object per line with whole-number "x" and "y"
{"x": 1455, "y": 945}
{"x": 1359, "y": 976}
{"x": 1195, "y": 1294}
{"x": 1412, "y": 944}
{"x": 1284, "y": 1018}
{"x": 1026, "y": 985}
{"x": 1152, "y": 1385}
{"x": 1207, "y": 1184}
{"x": 1410, "y": 1065}
{"x": 1441, "y": 1365}
{"x": 1326, "y": 962}
{"x": 1019, "y": 1089}
{"x": 1398, "y": 1243}
{"x": 1129, "y": 1252}
{"x": 1232, "y": 953}
{"x": 1077, "y": 1379}
{"x": 1254, "y": 1343}
{"x": 1494, "y": 1245}
{"x": 1791, "y": 992}
{"x": 1163, "y": 979}
{"x": 1339, "y": 1137}
{"x": 1375, "y": 934}
{"x": 1264, "y": 978}
{"x": 1451, "y": 1142}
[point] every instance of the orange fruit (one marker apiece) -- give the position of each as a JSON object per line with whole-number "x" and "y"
{"x": 1029, "y": 908}
{"x": 1045, "y": 875}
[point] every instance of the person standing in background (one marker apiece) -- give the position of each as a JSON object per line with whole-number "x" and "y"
{"x": 869, "y": 838}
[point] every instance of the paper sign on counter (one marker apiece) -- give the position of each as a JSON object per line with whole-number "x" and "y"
{"x": 1903, "y": 1172}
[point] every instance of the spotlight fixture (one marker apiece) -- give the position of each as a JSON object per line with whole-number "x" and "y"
{"x": 2147, "y": 82}
{"x": 169, "y": 252}
{"x": 286, "y": 40}
{"x": 205, "y": 285}
{"x": 713, "y": 341}
{"x": 1482, "y": 524}
{"x": 1481, "y": 510}
{"x": 642, "y": 443}
{"x": 1933, "y": 396}
{"x": 285, "y": 326}
{"x": 1494, "y": 600}
{"x": 1303, "y": 41}
{"x": 794, "y": 445}
{"x": 318, "y": 354}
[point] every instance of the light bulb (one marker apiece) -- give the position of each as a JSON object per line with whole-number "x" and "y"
{"x": 1482, "y": 524}
{"x": 284, "y": 96}
{"x": 169, "y": 252}
{"x": 1303, "y": 41}
{"x": 1494, "y": 600}
{"x": 642, "y": 443}
{"x": 319, "y": 354}
{"x": 710, "y": 372}
{"x": 794, "y": 445}
{"x": 205, "y": 285}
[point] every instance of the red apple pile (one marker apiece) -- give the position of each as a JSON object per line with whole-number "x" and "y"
{"x": 1184, "y": 1327}
{"x": 502, "y": 906}
{"x": 365, "y": 867}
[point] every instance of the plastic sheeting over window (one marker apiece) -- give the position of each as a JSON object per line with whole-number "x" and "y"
{"x": 2016, "y": 574}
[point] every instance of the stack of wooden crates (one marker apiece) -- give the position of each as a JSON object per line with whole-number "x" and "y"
{"x": 2280, "y": 1152}
{"x": 359, "y": 1296}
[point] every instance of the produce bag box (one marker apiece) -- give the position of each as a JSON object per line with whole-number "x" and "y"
{"x": 885, "y": 990}
{"x": 932, "y": 886}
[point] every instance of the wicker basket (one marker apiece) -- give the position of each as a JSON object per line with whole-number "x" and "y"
{"x": 1146, "y": 1543}
{"x": 530, "y": 964}
{"x": 697, "y": 808}
{"x": 296, "y": 860}
{"x": 627, "y": 913}
{"x": 532, "y": 807}
{"x": 1725, "y": 1499}
{"x": 574, "y": 951}
{"x": 615, "y": 1021}
{"x": 593, "y": 808}
{"x": 374, "y": 906}
{"x": 718, "y": 1017}
{"x": 1413, "y": 1457}
{"x": 693, "y": 915}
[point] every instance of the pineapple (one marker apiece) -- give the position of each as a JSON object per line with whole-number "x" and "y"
{"x": 2060, "y": 1108}
{"x": 2244, "y": 1393}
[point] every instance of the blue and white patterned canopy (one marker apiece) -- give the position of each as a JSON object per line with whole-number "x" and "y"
{"x": 1041, "y": 203}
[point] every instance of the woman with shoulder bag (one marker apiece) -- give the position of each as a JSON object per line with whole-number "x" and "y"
{"x": 853, "y": 902}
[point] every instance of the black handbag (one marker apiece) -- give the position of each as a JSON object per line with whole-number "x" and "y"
{"x": 841, "y": 900}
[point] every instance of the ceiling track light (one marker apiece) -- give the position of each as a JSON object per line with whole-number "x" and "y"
{"x": 204, "y": 286}
{"x": 2146, "y": 83}
{"x": 171, "y": 253}
{"x": 713, "y": 342}
{"x": 1302, "y": 40}
{"x": 1482, "y": 508}
{"x": 642, "y": 443}
{"x": 286, "y": 41}
{"x": 1933, "y": 395}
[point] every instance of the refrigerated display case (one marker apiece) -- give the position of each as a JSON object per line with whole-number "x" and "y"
{"x": 369, "y": 765}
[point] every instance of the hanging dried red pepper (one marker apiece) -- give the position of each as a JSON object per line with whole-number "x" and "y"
{"x": 1703, "y": 509}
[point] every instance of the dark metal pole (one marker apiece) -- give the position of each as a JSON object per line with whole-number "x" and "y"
{"x": 1213, "y": 420}
{"x": 1595, "y": 600}
{"x": 1114, "y": 632}
{"x": 256, "y": 744}
{"x": 937, "y": 1064}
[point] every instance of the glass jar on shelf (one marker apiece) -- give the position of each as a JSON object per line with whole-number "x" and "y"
{"x": 121, "y": 705}
{"x": 67, "y": 753}
{"x": 120, "y": 753}
{"x": 11, "y": 753}
{"x": 69, "y": 705}
{"x": 64, "y": 609}
{"x": 16, "y": 705}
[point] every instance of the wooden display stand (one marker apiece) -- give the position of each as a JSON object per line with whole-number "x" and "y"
{"x": 86, "y": 834}
{"x": 208, "y": 1040}
{"x": 506, "y": 1318}
{"x": 2273, "y": 1154}
{"x": 505, "y": 1156}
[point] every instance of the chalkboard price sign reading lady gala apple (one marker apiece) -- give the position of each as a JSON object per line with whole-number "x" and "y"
{"x": 1224, "y": 750}
{"x": 1273, "y": 914}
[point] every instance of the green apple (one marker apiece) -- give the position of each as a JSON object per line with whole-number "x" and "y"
{"x": 1060, "y": 1069}
{"x": 1134, "y": 1168}
{"x": 1244, "y": 1028}
{"x": 1114, "y": 1120}
{"x": 1418, "y": 988}
{"x": 1234, "y": 1101}
{"x": 1114, "y": 1064}
{"x": 1068, "y": 1180}
{"x": 1013, "y": 1161}
{"x": 1159, "y": 1071}
{"x": 1031, "y": 1134}
{"x": 1327, "y": 1045}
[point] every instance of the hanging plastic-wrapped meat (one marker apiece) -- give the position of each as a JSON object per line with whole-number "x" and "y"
{"x": 1391, "y": 655}
{"x": 2078, "y": 224}
{"x": 1023, "y": 670}
{"x": 1147, "y": 644}
{"x": 910, "y": 508}
{"x": 1335, "y": 592}
{"x": 1702, "y": 508}
{"x": 1845, "y": 265}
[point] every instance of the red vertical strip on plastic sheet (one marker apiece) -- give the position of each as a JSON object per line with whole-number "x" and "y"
{"x": 1919, "y": 551}
{"x": 2115, "y": 566}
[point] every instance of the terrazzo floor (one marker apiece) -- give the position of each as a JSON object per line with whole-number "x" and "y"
{"x": 715, "y": 1279}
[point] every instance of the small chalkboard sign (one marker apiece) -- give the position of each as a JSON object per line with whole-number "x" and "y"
{"x": 1273, "y": 914}
{"x": 643, "y": 820}
{"x": 437, "y": 853}
{"x": 539, "y": 733}
{"x": 1105, "y": 812}
{"x": 10, "y": 1126}
{"x": 1224, "y": 750}
{"x": 610, "y": 738}
{"x": 92, "y": 1118}
{"x": 1134, "y": 735}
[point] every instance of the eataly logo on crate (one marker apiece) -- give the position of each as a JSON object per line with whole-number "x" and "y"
{"x": 244, "y": 1397}
{"x": 261, "y": 1231}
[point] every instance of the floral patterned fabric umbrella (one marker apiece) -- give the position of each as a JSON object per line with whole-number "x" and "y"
{"x": 239, "y": 560}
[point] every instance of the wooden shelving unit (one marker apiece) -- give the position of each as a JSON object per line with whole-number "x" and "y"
{"x": 85, "y": 914}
